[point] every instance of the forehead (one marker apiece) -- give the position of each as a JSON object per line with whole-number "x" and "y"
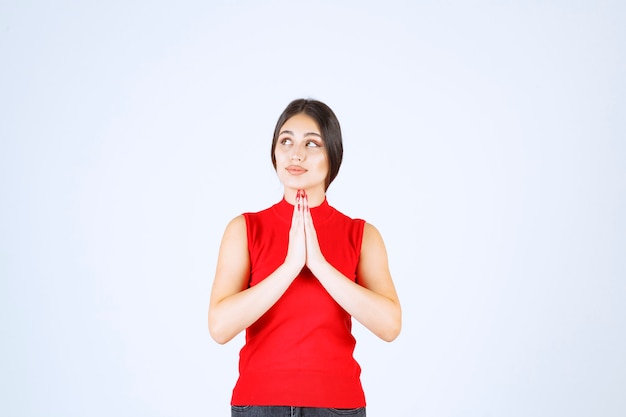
{"x": 300, "y": 124}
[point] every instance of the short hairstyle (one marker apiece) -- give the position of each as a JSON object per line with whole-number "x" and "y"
{"x": 329, "y": 127}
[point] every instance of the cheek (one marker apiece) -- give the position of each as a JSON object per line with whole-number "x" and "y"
{"x": 324, "y": 165}
{"x": 277, "y": 156}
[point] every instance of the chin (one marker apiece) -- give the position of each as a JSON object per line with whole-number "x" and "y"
{"x": 290, "y": 182}
{"x": 295, "y": 186}
{"x": 300, "y": 183}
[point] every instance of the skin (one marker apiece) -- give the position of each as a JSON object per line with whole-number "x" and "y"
{"x": 302, "y": 167}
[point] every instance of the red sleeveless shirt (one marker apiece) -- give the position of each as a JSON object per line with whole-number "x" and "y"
{"x": 300, "y": 352}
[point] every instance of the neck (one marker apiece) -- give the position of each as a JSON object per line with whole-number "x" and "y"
{"x": 316, "y": 196}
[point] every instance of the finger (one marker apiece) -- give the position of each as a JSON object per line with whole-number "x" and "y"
{"x": 306, "y": 214}
{"x": 302, "y": 204}
{"x": 297, "y": 206}
{"x": 297, "y": 211}
{"x": 308, "y": 219}
{"x": 305, "y": 199}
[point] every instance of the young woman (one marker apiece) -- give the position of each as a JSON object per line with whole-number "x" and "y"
{"x": 294, "y": 274}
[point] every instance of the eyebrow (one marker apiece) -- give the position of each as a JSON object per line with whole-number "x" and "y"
{"x": 305, "y": 135}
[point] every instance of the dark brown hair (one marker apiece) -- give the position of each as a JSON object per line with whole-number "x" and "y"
{"x": 329, "y": 128}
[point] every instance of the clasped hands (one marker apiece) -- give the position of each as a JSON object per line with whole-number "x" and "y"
{"x": 304, "y": 248}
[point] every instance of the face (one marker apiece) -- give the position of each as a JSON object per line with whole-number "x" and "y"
{"x": 301, "y": 160}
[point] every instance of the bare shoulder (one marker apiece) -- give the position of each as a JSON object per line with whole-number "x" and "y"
{"x": 236, "y": 228}
{"x": 373, "y": 268}
{"x": 234, "y": 247}
{"x": 372, "y": 243}
{"x": 233, "y": 262}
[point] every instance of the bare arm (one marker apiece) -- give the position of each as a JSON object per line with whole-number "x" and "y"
{"x": 233, "y": 306}
{"x": 373, "y": 301}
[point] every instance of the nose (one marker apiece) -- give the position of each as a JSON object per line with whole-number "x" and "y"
{"x": 296, "y": 154}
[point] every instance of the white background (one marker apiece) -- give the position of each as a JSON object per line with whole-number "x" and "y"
{"x": 485, "y": 140}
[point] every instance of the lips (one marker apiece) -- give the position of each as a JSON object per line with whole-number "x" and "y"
{"x": 295, "y": 170}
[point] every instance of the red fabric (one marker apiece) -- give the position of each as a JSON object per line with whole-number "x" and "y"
{"x": 300, "y": 352}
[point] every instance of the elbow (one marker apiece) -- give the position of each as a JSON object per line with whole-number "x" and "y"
{"x": 391, "y": 332}
{"x": 218, "y": 336}
{"x": 393, "y": 328}
{"x": 217, "y": 332}
{"x": 220, "y": 340}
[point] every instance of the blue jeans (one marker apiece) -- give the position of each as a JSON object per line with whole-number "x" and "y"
{"x": 274, "y": 411}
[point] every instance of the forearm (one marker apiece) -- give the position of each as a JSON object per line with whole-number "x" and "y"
{"x": 381, "y": 315}
{"x": 233, "y": 314}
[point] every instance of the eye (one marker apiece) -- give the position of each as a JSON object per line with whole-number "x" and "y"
{"x": 286, "y": 141}
{"x": 313, "y": 144}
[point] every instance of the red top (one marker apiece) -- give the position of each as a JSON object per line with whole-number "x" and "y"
{"x": 299, "y": 353}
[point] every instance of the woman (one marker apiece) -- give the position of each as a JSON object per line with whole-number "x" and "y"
{"x": 294, "y": 274}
